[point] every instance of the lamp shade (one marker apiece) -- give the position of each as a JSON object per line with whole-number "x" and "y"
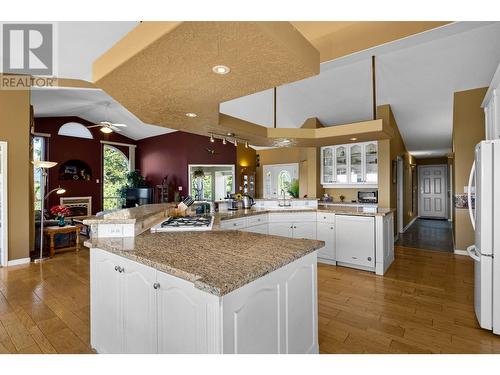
{"x": 44, "y": 164}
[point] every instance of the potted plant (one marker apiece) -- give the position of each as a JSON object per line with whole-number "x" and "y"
{"x": 293, "y": 188}
{"x": 60, "y": 212}
{"x": 342, "y": 198}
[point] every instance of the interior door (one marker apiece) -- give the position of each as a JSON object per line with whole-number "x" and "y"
{"x": 433, "y": 191}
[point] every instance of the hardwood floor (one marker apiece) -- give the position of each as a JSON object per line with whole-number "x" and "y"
{"x": 429, "y": 234}
{"x": 424, "y": 304}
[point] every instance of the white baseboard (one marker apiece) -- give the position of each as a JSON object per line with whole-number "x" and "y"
{"x": 409, "y": 224}
{"x": 460, "y": 252}
{"x": 17, "y": 262}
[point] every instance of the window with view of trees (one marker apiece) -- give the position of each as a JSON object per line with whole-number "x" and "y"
{"x": 116, "y": 168}
{"x": 38, "y": 154}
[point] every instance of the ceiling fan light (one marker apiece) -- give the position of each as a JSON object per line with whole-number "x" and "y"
{"x": 224, "y": 141}
{"x": 106, "y": 130}
{"x": 212, "y": 139}
{"x": 235, "y": 143}
{"x": 246, "y": 144}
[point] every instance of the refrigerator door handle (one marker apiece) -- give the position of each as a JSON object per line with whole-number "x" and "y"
{"x": 471, "y": 250}
{"x": 469, "y": 196}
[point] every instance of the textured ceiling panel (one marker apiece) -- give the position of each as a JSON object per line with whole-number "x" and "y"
{"x": 173, "y": 75}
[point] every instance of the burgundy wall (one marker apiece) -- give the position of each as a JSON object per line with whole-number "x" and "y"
{"x": 61, "y": 149}
{"x": 171, "y": 153}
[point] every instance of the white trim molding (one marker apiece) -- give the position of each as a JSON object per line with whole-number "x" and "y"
{"x": 4, "y": 247}
{"x": 118, "y": 144}
{"x": 460, "y": 252}
{"x": 409, "y": 224}
{"x": 18, "y": 262}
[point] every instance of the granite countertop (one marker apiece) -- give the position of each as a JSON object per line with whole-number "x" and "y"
{"x": 339, "y": 210}
{"x": 130, "y": 215}
{"x": 216, "y": 262}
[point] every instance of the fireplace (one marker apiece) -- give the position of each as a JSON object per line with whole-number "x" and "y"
{"x": 79, "y": 206}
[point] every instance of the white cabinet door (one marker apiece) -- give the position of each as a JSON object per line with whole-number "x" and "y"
{"x": 355, "y": 240}
{"x": 327, "y": 165}
{"x": 370, "y": 161}
{"x": 188, "y": 318}
{"x": 139, "y": 308}
{"x": 106, "y": 321}
{"x": 326, "y": 232}
{"x": 304, "y": 230}
{"x": 281, "y": 229}
{"x": 262, "y": 229}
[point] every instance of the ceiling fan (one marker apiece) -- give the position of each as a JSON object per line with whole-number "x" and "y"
{"x": 108, "y": 126}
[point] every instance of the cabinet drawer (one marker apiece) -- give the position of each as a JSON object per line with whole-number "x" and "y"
{"x": 233, "y": 224}
{"x": 257, "y": 220}
{"x": 293, "y": 217}
{"x": 325, "y": 217}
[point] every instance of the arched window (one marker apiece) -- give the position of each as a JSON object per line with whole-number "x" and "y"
{"x": 284, "y": 181}
{"x": 116, "y": 168}
{"x": 75, "y": 129}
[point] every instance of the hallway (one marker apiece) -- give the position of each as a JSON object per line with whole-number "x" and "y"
{"x": 429, "y": 234}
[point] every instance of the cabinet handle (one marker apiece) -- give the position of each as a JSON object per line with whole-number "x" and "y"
{"x": 121, "y": 270}
{"x": 369, "y": 259}
{"x": 294, "y": 227}
{"x": 117, "y": 268}
{"x": 331, "y": 227}
{"x": 156, "y": 285}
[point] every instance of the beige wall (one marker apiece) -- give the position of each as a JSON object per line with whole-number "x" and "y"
{"x": 468, "y": 130}
{"x": 389, "y": 150}
{"x": 309, "y": 168}
{"x": 15, "y": 130}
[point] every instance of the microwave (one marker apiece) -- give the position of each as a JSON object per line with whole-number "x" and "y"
{"x": 368, "y": 196}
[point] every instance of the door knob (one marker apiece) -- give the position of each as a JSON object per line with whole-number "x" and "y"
{"x": 156, "y": 285}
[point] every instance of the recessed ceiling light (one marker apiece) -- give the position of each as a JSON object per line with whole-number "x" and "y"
{"x": 221, "y": 69}
{"x": 353, "y": 139}
{"x": 191, "y": 114}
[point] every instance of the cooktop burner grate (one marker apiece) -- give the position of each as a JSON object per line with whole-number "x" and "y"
{"x": 187, "y": 221}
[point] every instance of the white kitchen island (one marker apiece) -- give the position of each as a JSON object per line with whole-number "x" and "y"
{"x": 205, "y": 292}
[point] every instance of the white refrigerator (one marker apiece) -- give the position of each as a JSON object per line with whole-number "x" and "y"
{"x": 485, "y": 218}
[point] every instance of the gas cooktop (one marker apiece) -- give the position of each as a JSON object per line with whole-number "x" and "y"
{"x": 185, "y": 223}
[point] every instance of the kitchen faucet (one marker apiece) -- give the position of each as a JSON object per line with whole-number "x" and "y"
{"x": 284, "y": 204}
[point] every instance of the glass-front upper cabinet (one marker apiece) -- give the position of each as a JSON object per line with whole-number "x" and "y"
{"x": 327, "y": 165}
{"x": 371, "y": 163}
{"x": 351, "y": 164}
{"x": 341, "y": 164}
{"x": 356, "y": 165}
